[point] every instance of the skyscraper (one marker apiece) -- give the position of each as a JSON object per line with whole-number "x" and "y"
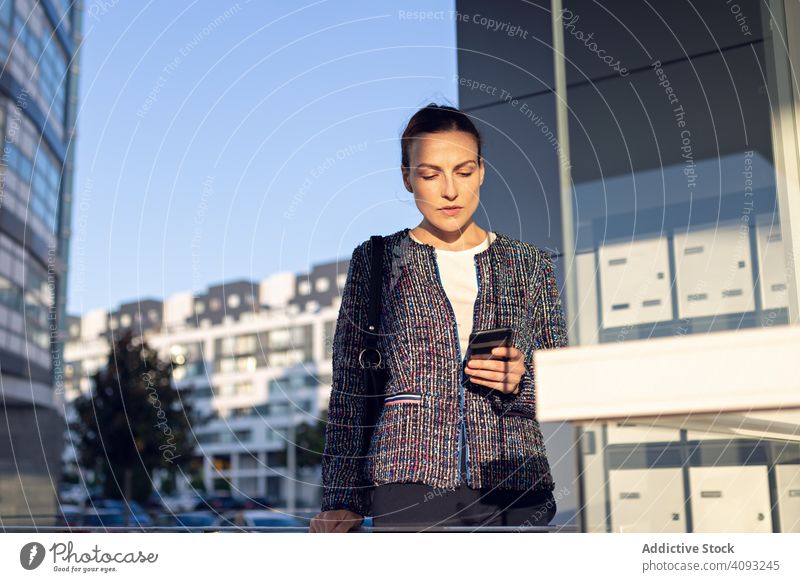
{"x": 38, "y": 48}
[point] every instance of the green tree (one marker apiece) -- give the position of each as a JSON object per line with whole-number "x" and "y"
{"x": 133, "y": 422}
{"x": 310, "y": 442}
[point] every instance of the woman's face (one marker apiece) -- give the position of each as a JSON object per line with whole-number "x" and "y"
{"x": 444, "y": 171}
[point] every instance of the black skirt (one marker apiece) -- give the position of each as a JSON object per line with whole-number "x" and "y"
{"x": 420, "y": 505}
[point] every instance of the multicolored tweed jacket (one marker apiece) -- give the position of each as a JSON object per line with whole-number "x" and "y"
{"x": 430, "y": 404}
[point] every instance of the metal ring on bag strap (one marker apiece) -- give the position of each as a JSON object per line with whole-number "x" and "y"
{"x": 361, "y": 362}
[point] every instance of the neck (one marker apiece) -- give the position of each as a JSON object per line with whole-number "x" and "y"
{"x": 469, "y": 236}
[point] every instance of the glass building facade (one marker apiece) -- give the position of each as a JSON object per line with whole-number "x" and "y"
{"x": 652, "y": 149}
{"x": 38, "y": 49}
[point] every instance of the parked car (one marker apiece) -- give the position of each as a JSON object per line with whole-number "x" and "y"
{"x": 68, "y": 515}
{"x": 258, "y": 502}
{"x": 179, "y": 503}
{"x": 188, "y": 519}
{"x": 219, "y": 503}
{"x": 265, "y": 518}
{"x": 137, "y": 516}
{"x": 226, "y": 519}
{"x": 102, "y": 518}
{"x": 72, "y": 494}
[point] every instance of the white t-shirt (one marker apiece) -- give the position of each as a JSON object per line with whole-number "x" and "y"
{"x": 460, "y": 281}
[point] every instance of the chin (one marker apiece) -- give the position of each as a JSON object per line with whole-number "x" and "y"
{"x": 449, "y": 226}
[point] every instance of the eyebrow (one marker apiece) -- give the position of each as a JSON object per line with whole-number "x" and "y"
{"x": 435, "y": 167}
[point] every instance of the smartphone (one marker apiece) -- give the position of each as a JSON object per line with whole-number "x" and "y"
{"x": 482, "y": 342}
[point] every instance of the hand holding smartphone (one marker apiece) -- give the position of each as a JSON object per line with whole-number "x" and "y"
{"x": 481, "y": 344}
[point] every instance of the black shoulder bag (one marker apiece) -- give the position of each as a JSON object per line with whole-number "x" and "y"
{"x": 371, "y": 361}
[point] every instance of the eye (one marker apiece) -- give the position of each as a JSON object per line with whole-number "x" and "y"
{"x": 428, "y": 177}
{"x": 466, "y": 175}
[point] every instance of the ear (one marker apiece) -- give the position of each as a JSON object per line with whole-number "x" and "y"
{"x": 405, "y": 171}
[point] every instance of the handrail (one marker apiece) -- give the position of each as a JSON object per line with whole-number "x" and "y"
{"x": 50, "y": 524}
{"x": 283, "y": 529}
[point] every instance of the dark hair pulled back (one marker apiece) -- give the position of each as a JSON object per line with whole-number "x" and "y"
{"x": 435, "y": 118}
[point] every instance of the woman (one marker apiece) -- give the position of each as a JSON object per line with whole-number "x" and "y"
{"x": 456, "y": 443}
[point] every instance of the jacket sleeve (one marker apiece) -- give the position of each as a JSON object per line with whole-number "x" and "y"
{"x": 549, "y": 332}
{"x": 344, "y": 486}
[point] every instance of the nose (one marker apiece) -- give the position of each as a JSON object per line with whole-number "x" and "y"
{"x": 450, "y": 194}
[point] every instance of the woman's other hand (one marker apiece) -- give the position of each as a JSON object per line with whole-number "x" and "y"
{"x": 335, "y": 521}
{"x": 503, "y": 372}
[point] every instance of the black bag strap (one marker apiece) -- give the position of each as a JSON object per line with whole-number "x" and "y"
{"x": 376, "y": 278}
{"x": 375, "y": 372}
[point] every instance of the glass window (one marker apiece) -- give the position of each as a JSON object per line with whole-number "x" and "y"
{"x": 276, "y": 459}
{"x": 243, "y": 434}
{"x": 208, "y": 438}
{"x": 675, "y": 181}
{"x": 6, "y": 12}
{"x": 248, "y": 462}
{"x": 675, "y": 200}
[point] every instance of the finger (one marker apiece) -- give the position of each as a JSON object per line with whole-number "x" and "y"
{"x": 497, "y": 365}
{"x": 506, "y": 351}
{"x": 496, "y": 385}
{"x": 494, "y": 376}
{"x": 343, "y": 526}
{"x": 505, "y": 367}
{"x": 506, "y": 386}
{"x": 323, "y": 524}
{"x": 331, "y": 524}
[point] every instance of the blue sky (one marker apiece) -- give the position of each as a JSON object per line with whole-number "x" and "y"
{"x": 225, "y": 140}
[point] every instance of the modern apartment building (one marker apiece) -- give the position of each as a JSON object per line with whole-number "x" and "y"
{"x": 38, "y": 87}
{"x": 253, "y": 358}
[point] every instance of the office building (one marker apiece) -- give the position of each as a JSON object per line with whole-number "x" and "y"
{"x": 38, "y": 87}
{"x": 254, "y": 359}
{"x": 652, "y": 148}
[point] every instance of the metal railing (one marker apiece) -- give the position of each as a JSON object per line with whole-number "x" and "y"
{"x": 46, "y": 524}
{"x": 282, "y": 529}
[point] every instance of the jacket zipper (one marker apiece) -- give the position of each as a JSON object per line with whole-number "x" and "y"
{"x": 463, "y": 429}
{"x": 474, "y": 311}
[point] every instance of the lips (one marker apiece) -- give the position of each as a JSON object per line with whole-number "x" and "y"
{"x": 451, "y": 210}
